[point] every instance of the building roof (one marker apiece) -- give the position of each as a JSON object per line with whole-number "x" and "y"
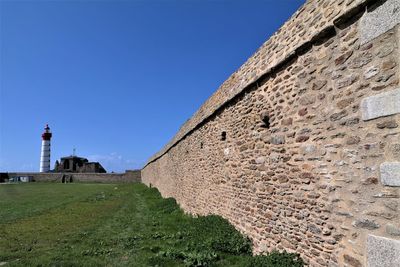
{"x": 74, "y": 157}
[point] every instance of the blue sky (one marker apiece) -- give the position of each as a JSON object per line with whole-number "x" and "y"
{"x": 116, "y": 79}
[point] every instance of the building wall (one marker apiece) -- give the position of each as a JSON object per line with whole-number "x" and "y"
{"x": 323, "y": 179}
{"x": 92, "y": 167}
{"x": 127, "y": 177}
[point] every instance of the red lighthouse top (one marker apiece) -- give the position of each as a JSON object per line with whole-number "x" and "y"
{"x": 46, "y": 135}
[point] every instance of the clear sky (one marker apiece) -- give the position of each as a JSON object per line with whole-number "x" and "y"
{"x": 116, "y": 79}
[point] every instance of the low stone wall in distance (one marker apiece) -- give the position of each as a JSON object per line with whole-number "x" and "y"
{"x": 127, "y": 177}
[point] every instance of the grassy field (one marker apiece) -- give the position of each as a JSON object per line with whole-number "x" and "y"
{"x": 48, "y": 224}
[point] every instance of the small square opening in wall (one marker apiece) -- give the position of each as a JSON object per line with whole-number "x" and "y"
{"x": 265, "y": 121}
{"x": 223, "y": 136}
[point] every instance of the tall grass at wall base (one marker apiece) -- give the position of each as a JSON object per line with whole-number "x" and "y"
{"x": 209, "y": 241}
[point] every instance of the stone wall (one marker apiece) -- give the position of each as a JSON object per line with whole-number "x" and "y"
{"x": 127, "y": 177}
{"x": 300, "y": 148}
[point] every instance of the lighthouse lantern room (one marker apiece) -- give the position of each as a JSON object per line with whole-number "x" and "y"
{"x": 45, "y": 151}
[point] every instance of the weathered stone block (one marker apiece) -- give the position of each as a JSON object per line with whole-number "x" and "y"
{"x": 342, "y": 58}
{"x": 384, "y": 104}
{"x": 390, "y": 173}
{"x": 371, "y": 72}
{"x": 387, "y": 194}
{"x": 392, "y": 230}
{"x": 366, "y": 224}
{"x": 352, "y": 140}
{"x": 391, "y": 204}
{"x": 287, "y": 122}
{"x": 390, "y": 124}
{"x": 338, "y": 115}
{"x": 260, "y": 160}
{"x": 302, "y": 138}
{"x": 379, "y": 20}
{"x": 346, "y": 81}
{"x": 351, "y": 260}
{"x": 388, "y": 65}
{"x": 277, "y": 139}
{"x": 369, "y": 180}
{"x": 382, "y": 252}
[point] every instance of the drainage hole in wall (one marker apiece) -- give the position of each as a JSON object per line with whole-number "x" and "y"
{"x": 223, "y": 136}
{"x": 266, "y": 122}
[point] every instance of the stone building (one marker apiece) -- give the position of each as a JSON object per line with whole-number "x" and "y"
{"x": 78, "y": 164}
{"x": 3, "y": 177}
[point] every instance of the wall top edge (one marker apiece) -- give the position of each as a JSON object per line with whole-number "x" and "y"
{"x": 62, "y": 173}
{"x": 310, "y": 20}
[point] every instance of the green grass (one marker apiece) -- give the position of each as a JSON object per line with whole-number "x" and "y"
{"x": 115, "y": 225}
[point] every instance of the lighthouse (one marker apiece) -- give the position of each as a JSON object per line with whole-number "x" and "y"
{"x": 45, "y": 152}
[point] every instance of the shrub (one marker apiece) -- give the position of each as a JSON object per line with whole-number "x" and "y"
{"x": 168, "y": 205}
{"x": 276, "y": 259}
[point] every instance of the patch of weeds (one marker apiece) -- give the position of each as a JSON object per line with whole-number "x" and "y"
{"x": 178, "y": 235}
{"x": 97, "y": 197}
{"x": 158, "y": 235}
{"x": 155, "y": 223}
{"x": 157, "y": 261}
{"x": 168, "y": 205}
{"x": 97, "y": 251}
{"x": 232, "y": 245}
{"x": 276, "y": 259}
{"x": 130, "y": 242}
{"x": 154, "y": 249}
{"x": 190, "y": 258}
{"x": 223, "y": 236}
{"x": 200, "y": 258}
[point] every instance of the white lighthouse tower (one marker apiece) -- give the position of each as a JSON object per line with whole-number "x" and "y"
{"x": 45, "y": 152}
